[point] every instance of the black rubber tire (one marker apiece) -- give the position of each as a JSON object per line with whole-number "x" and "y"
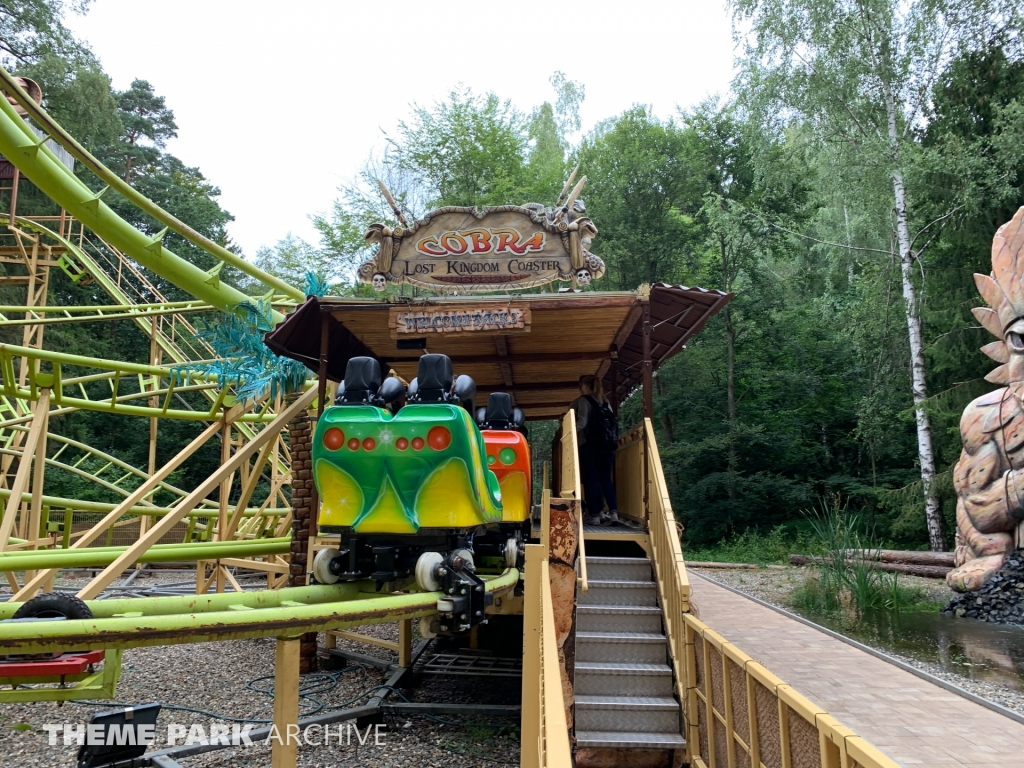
{"x": 53, "y": 604}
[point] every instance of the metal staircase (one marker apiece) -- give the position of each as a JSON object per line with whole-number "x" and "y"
{"x": 623, "y": 681}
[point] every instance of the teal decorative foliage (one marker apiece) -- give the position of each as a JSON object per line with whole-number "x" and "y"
{"x": 316, "y": 285}
{"x": 244, "y": 361}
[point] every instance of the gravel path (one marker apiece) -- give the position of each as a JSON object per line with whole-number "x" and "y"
{"x": 774, "y": 586}
{"x": 212, "y": 677}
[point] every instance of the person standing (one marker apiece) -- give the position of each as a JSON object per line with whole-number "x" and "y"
{"x": 596, "y": 435}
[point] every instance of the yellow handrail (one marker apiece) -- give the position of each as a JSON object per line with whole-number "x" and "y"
{"x": 736, "y": 711}
{"x": 545, "y": 732}
{"x": 760, "y": 719}
{"x": 669, "y": 568}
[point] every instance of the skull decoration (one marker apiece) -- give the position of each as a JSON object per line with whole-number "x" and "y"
{"x": 582, "y": 277}
{"x": 379, "y": 282}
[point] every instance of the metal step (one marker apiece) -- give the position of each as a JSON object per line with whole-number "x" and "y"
{"x": 618, "y": 618}
{"x": 607, "y": 592}
{"x": 619, "y": 568}
{"x": 602, "y": 678}
{"x": 624, "y": 740}
{"x": 623, "y": 684}
{"x": 627, "y": 647}
{"x": 627, "y": 714}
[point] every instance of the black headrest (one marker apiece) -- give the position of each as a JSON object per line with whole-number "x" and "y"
{"x": 392, "y": 389}
{"x": 465, "y": 392}
{"x": 433, "y": 380}
{"x": 499, "y": 408}
{"x": 362, "y": 381}
{"x": 499, "y": 414}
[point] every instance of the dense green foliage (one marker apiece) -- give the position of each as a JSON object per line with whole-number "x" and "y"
{"x": 781, "y": 193}
{"x": 127, "y": 131}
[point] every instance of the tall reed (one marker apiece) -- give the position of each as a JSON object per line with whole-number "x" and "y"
{"x": 842, "y": 581}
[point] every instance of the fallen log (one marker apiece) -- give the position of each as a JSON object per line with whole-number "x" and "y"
{"x": 723, "y": 566}
{"x": 904, "y": 556}
{"x": 926, "y": 571}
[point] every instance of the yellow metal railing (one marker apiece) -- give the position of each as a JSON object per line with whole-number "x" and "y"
{"x": 569, "y": 482}
{"x": 569, "y": 468}
{"x": 669, "y": 569}
{"x": 740, "y": 714}
{"x": 737, "y": 713}
{"x": 545, "y": 732}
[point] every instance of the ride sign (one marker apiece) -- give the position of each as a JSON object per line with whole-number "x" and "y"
{"x": 502, "y": 318}
{"x": 469, "y": 250}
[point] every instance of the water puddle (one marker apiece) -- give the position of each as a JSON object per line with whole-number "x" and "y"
{"x": 974, "y": 649}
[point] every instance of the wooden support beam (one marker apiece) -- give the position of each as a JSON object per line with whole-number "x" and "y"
{"x": 358, "y": 638}
{"x": 249, "y": 488}
{"x": 536, "y": 357}
{"x": 325, "y": 346}
{"x": 225, "y": 492}
{"x": 648, "y": 365}
{"x": 38, "y": 472}
{"x": 255, "y": 565}
{"x": 284, "y": 749}
{"x": 501, "y": 346}
{"x": 620, "y": 338}
{"x": 186, "y": 505}
{"x": 111, "y": 518}
{"x": 39, "y": 416}
{"x": 405, "y": 643}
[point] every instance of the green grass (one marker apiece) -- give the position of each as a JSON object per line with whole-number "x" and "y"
{"x": 868, "y": 589}
{"x": 752, "y": 546}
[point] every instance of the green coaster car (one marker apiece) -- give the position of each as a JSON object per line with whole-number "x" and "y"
{"x": 422, "y": 468}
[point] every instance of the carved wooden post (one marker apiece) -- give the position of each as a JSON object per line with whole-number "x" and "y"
{"x": 564, "y": 550}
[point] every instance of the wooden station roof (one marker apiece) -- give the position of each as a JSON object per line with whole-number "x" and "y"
{"x": 569, "y": 335}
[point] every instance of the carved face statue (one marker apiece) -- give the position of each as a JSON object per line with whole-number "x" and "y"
{"x": 583, "y": 277}
{"x": 379, "y": 282}
{"x": 1014, "y": 341}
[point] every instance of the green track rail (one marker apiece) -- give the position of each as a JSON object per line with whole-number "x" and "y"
{"x": 232, "y": 616}
{"x": 38, "y": 163}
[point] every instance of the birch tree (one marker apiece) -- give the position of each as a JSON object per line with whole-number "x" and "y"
{"x": 862, "y": 72}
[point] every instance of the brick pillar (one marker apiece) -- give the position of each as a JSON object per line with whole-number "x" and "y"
{"x": 300, "y": 440}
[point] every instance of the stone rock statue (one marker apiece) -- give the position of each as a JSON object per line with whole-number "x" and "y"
{"x": 989, "y": 477}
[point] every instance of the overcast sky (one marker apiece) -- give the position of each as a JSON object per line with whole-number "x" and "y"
{"x": 279, "y": 102}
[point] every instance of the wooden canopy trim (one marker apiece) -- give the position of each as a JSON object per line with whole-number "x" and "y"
{"x": 592, "y": 333}
{"x": 677, "y": 314}
{"x": 298, "y": 337}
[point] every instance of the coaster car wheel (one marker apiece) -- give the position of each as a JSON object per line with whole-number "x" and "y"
{"x": 53, "y": 605}
{"x": 50, "y": 605}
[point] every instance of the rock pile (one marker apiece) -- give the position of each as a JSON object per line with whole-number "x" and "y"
{"x": 1000, "y": 600}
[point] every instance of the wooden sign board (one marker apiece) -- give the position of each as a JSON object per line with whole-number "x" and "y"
{"x": 467, "y": 250}
{"x": 470, "y": 318}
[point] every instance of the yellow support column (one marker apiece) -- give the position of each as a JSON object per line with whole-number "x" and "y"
{"x": 284, "y": 750}
{"x": 405, "y": 643}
